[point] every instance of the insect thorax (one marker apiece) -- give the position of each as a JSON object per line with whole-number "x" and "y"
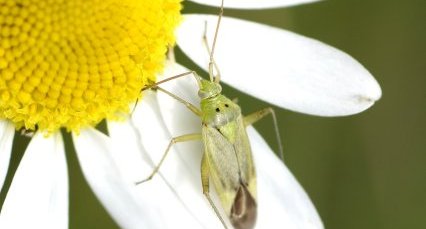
{"x": 219, "y": 111}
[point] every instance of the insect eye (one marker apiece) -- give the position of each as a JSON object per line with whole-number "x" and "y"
{"x": 217, "y": 109}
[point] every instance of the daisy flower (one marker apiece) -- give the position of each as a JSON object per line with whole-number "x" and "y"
{"x": 72, "y": 64}
{"x": 280, "y": 67}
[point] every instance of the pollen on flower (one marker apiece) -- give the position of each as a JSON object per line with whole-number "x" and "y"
{"x": 73, "y": 63}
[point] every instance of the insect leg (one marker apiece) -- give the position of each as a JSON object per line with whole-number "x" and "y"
{"x": 170, "y": 78}
{"x": 258, "y": 115}
{"x": 205, "y": 173}
{"x": 183, "y": 138}
{"x": 189, "y": 105}
{"x": 155, "y": 85}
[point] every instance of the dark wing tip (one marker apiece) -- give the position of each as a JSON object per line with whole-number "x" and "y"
{"x": 244, "y": 209}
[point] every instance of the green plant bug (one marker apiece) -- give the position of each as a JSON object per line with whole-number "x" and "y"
{"x": 227, "y": 158}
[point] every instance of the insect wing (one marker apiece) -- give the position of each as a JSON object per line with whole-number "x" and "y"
{"x": 222, "y": 164}
{"x": 231, "y": 168}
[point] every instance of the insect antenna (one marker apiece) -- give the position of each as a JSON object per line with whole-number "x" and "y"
{"x": 212, "y": 63}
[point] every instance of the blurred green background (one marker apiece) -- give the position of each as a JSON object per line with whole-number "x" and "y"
{"x": 363, "y": 171}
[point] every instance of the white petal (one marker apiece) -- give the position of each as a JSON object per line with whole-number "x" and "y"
{"x": 136, "y": 165}
{"x": 281, "y": 67}
{"x": 254, "y": 4}
{"x": 7, "y": 132}
{"x": 118, "y": 197}
{"x": 127, "y": 151}
{"x": 282, "y": 202}
{"x": 181, "y": 169}
{"x": 38, "y": 196}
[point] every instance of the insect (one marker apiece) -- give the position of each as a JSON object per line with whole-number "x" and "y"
{"x": 227, "y": 158}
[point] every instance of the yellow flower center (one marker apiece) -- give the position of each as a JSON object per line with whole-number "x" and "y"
{"x": 73, "y": 63}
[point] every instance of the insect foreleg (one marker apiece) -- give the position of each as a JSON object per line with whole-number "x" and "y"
{"x": 183, "y": 138}
{"x": 155, "y": 85}
{"x": 189, "y": 105}
{"x": 205, "y": 173}
{"x": 258, "y": 115}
